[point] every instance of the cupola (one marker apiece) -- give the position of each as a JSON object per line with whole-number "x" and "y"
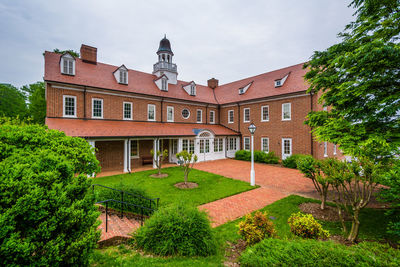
{"x": 164, "y": 66}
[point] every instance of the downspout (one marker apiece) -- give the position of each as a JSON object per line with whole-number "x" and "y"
{"x": 207, "y": 113}
{"x": 162, "y": 101}
{"x": 128, "y": 158}
{"x": 240, "y": 133}
{"x": 84, "y": 103}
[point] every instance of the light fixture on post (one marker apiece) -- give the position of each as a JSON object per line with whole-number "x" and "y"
{"x": 252, "y": 129}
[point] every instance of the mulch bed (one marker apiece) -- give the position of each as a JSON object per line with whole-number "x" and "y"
{"x": 162, "y": 175}
{"x": 233, "y": 252}
{"x": 328, "y": 214}
{"x": 187, "y": 185}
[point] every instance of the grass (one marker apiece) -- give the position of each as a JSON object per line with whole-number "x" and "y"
{"x": 211, "y": 186}
{"x": 373, "y": 227}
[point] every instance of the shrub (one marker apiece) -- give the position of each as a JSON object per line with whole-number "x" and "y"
{"x": 255, "y": 228}
{"x": 104, "y": 194}
{"x": 177, "y": 230}
{"x": 271, "y": 158}
{"x": 243, "y": 155}
{"x": 276, "y": 252}
{"x": 292, "y": 161}
{"x": 47, "y": 216}
{"x": 304, "y": 225}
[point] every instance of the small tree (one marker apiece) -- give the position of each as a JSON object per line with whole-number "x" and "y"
{"x": 312, "y": 168}
{"x": 160, "y": 156}
{"x": 186, "y": 161}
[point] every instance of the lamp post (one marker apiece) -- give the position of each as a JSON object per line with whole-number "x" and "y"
{"x": 252, "y": 129}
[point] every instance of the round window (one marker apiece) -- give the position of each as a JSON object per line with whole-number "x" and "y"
{"x": 185, "y": 113}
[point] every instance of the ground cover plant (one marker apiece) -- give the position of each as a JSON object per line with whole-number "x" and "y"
{"x": 47, "y": 214}
{"x": 177, "y": 230}
{"x": 211, "y": 186}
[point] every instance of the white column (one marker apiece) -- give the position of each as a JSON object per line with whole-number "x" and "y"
{"x": 252, "y": 175}
{"x": 129, "y": 155}
{"x": 92, "y": 144}
{"x": 179, "y": 145}
{"x": 155, "y": 149}
{"x": 126, "y": 155}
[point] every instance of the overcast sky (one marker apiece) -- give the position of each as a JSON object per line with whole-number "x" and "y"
{"x": 225, "y": 39}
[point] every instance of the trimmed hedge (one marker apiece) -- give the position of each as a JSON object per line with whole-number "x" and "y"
{"x": 259, "y": 156}
{"x": 291, "y": 161}
{"x": 177, "y": 230}
{"x": 276, "y": 252}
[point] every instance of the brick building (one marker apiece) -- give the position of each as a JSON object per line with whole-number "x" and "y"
{"x": 125, "y": 113}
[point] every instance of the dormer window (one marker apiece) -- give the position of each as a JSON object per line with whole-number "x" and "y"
{"x": 278, "y": 83}
{"x": 121, "y": 75}
{"x": 244, "y": 89}
{"x": 67, "y": 64}
{"x": 164, "y": 84}
{"x": 192, "y": 89}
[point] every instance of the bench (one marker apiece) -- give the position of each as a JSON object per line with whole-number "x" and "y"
{"x": 147, "y": 160}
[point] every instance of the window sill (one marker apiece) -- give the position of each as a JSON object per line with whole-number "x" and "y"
{"x": 286, "y": 119}
{"x": 125, "y": 119}
{"x": 325, "y": 156}
{"x": 135, "y": 157}
{"x": 68, "y": 116}
{"x": 264, "y": 120}
{"x": 230, "y": 122}
{"x": 97, "y": 118}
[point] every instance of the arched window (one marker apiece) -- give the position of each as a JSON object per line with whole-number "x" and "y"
{"x": 163, "y": 57}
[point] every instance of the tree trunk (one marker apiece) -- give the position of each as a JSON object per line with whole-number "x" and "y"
{"x": 355, "y": 226}
{"x": 186, "y": 177}
{"x": 341, "y": 217}
{"x": 323, "y": 198}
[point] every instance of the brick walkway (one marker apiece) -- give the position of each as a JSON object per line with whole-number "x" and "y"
{"x": 118, "y": 229}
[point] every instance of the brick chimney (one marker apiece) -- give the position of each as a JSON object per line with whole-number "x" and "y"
{"x": 212, "y": 83}
{"x": 89, "y": 54}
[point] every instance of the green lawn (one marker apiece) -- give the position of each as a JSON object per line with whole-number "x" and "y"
{"x": 373, "y": 227}
{"x": 211, "y": 186}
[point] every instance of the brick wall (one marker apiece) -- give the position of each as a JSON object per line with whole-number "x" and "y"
{"x": 111, "y": 155}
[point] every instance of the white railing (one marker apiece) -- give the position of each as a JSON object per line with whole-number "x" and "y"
{"x": 164, "y": 66}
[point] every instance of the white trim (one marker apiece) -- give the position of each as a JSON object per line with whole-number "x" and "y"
{"x": 137, "y": 149}
{"x": 290, "y": 111}
{"x": 123, "y": 111}
{"x": 262, "y": 113}
{"x": 262, "y": 138}
{"x": 148, "y": 109}
{"x": 334, "y": 149}
{"x": 325, "y": 149}
{"x": 102, "y": 108}
{"x": 244, "y": 115}
{"x": 213, "y": 116}
{"x": 201, "y": 116}
{"x": 260, "y": 101}
{"x": 244, "y": 142}
{"x": 75, "y": 104}
{"x": 168, "y": 108}
{"x": 284, "y": 156}
{"x": 229, "y": 116}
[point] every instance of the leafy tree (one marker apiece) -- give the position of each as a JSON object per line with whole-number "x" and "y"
{"x": 37, "y": 101}
{"x": 187, "y": 161}
{"x": 359, "y": 78}
{"x": 312, "y": 168}
{"x": 47, "y": 216}
{"x": 12, "y": 102}
{"x": 160, "y": 156}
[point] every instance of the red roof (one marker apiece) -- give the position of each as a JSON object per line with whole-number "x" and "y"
{"x": 109, "y": 128}
{"x": 101, "y": 75}
{"x": 264, "y": 85}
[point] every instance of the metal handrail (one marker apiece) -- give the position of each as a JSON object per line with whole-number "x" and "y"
{"x": 151, "y": 200}
{"x": 122, "y": 212}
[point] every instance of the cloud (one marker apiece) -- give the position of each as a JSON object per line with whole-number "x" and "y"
{"x": 226, "y": 39}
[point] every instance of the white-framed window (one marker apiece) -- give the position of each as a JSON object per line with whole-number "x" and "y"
{"x": 246, "y": 143}
{"x": 151, "y": 112}
{"x": 246, "y": 115}
{"x": 170, "y": 114}
{"x": 192, "y": 89}
{"x": 232, "y": 143}
{"x": 286, "y": 111}
{"x": 204, "y": 146}
{"x": 127, "y": 110}
{"x": 334, "y": 149}
{"x": 123, "y": 76}
{"x": 265, "y": 113}
{"x": 69, "y": 106}
{"x": 218, "y": 144}
{"x": 97, "y": 108}
{"x": 164, "y": 84}
{"x": 325, "y": 149}
{"x": 265, "y": 144}
{"x": 230, "y": 116}
{"x": 174, "y": 146}
{"x": 185, "y": 113}
{"x": 212, "y": 116}
{"x": 134, "y": 148}
{"x": 286, "y": 147}
{"x": 199, "y": 116}
{"x": 278, "y": 83}
{"x": 188, "y": 145}
{"x": 68, "y": 64}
